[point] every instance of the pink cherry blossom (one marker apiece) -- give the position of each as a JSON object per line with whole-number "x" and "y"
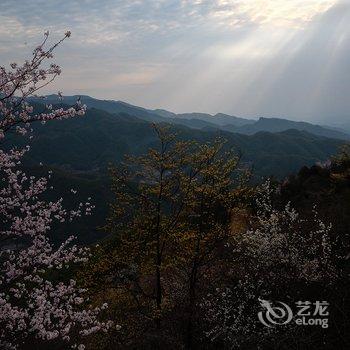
{"x": 23, "y": 81}
{"x": 32, "y": 304}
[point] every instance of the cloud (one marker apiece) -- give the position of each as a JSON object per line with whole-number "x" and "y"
{"x": 273, "y": 12}
{"x": 109, "y": 20}
{"x": 247, "y": 57}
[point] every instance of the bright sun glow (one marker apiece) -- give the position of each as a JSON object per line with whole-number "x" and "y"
{"x": 290, "y": 13}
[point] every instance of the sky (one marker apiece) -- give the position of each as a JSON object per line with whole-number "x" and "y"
{"x": 251, "y": 58}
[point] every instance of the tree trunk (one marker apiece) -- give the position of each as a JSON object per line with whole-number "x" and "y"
{"x": 192, "y": 297}
{"x": 158, "y": 253}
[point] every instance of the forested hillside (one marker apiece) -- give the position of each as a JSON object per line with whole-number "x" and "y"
{"x": 90, "y": 143}
{"x": 81, "y": 150}
{"x": 193, "y": 247}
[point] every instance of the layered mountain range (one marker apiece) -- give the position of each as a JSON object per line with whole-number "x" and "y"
{"x": 111, "y": 129}
{"x": 80, "y": 150}
{"x": 204, "y": 121}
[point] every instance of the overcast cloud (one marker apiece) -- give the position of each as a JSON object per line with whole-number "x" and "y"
{"x": 248, "y": 58}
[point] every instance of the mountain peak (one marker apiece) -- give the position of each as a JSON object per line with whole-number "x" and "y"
{"x": 194, "y": 120}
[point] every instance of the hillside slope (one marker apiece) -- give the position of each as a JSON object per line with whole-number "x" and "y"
{"x": 90, "y": 143}
{"x": 202, "y": 120}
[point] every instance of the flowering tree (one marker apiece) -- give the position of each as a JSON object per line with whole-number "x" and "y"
{"x": 35, "y": 306}
{"x": 280, "y": 254}
{"x": 21, "y": 82}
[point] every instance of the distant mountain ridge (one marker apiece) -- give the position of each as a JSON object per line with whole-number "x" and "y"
{"x": 279, "y": 125}
{"x": 89, "y": 144}
{"x": 203, "y": 121}
{"x": 219, "y": 119}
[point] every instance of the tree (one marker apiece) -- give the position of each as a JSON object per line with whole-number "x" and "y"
{"x": 170, "y": 220}
{"x": 207, "y": 218}
{"x": 36, "y": 303}
{"x": 151, "y": 193}
{"x": 281, "y": 255}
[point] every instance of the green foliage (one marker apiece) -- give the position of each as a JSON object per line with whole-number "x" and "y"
{"x": 188, "y": 245}
{"x": 170, "y": 220}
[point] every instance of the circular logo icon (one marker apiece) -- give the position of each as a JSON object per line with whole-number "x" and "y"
{"x": 279, "y": 314}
